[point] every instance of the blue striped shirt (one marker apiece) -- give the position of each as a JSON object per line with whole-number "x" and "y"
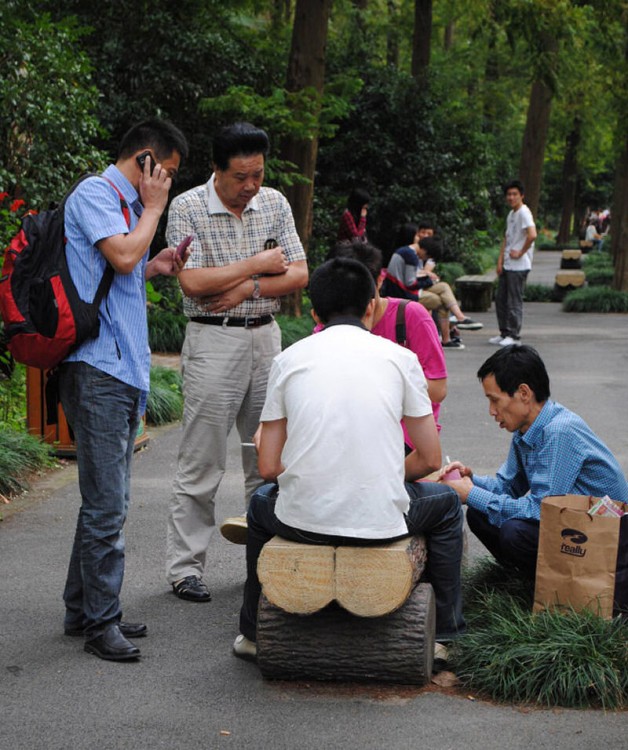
{"x": 558, "y": 455}
{"x": 93, "y": 213}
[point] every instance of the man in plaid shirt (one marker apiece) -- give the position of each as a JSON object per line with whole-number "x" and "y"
{"x": 245, "y": 255}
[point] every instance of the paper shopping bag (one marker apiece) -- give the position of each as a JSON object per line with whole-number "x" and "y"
{"x": 583, "y": 560}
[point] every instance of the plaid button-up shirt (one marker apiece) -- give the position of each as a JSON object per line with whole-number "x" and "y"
{"x": 221, "y": 238}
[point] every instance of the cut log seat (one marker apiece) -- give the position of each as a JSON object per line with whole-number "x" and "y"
{"x": 571, "y": 259}
{"x": 334, "y": 644}
{"x": 566, "y": 281}
{"x": 367, "y": 581}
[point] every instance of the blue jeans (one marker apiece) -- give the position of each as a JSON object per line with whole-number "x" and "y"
{"x": 434, "y": 511}
{"x": 514, "y": 544}
{"x": 103, "y": 413}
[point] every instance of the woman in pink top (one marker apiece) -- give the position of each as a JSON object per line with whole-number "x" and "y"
{"x": 421, "y": 334}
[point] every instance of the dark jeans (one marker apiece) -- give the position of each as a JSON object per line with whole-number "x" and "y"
{"x": 434, "y": 511}
{"x": 509, "y": 302}
{"x": 103, "y": 413}
{"x": 515, "y": 544}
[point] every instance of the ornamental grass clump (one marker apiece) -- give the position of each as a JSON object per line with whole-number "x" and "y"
{"x": 165, "y": 399}
{"x": 596, "y": 299}
{"x": 20, "y": 455}
{"x": 573, "y": 659}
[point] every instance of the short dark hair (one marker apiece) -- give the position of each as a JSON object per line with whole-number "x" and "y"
{"x": 161, "y": 136}
{"x": 365, "y": 253}
{"x": 514, "y": 365}
{"x": 406, "y": 234}
{"x": 238, "y": 139}
{"x": 514, "y": 185}
{"x": 432, "y": 246}
{"x": 427, "y": 224}
{"x": 341, "y": 286}
{"x": 358, "y": 197}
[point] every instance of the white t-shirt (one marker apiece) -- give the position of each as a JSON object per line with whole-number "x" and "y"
{"x": 344, "y": 392}
{"x": 591, "y": 233}
{"x": 516, "y": 234}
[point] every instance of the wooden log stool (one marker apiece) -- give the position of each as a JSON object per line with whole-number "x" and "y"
{"x": 571, "y": 259}
{"x": 586, "y": 245}
{"x": 567, "y": 281}
{"x": 345, "y": 613}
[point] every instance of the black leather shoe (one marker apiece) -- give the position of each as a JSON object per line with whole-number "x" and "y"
{"x": 112, "y": 646}
{"x": 128, "y": 630}
{"x": 192, "y": 589}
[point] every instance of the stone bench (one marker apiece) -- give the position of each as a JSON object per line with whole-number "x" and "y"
{"x": 571, "y": 259}
{"x": 345, "y": 613}
{"x": 475, "y": 291}
{"x": 566, "y": 281}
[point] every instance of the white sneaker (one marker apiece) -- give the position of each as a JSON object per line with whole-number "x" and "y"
{"x": 245, "y": 649}
{"x": 509, "y": 341}
{"x": 496, "y": 340}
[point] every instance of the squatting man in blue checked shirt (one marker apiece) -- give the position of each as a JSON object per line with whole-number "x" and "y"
{"x": 553, "y": 452}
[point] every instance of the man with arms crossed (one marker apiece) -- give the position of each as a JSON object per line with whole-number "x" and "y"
{"x": 553, "y": 452}
{"x": 232, "y": 285}
{"x": 331, "y": 438}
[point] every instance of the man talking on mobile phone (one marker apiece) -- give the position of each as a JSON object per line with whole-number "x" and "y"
{"x": 246, "y": 254}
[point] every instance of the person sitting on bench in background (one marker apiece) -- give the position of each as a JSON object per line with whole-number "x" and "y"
{"x": 331, "y": 444}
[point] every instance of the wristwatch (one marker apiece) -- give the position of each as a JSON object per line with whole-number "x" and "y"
{"x": 257, "y": 292}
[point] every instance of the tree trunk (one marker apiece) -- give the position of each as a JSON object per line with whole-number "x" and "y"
{"x": 448, "y": 40}
{"x": 306, "y": 68}
{"x": 570, "y": 178}
{"x": 619, "y": 223}
{"x": 392, "y": 37}
{"x": 333, "y": 644}
{"x": 422, "y": 39}
{"x": 534, "y": 140}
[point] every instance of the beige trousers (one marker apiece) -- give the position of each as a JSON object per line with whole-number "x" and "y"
{"x": 225, "y": 372}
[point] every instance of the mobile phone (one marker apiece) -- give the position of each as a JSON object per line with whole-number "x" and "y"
{"x": 270, "y": 244}
{"x": 182, "y": 246}
{"x": 141, "y": 158}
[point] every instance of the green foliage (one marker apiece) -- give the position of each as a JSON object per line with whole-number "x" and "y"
{"x": 293, "y": 329}
{"x": 165, "y": 400}
{"x": 20, "y": 455}
{"x": 166, "y": 330}
{"x": 574, "y": 660}
{"x": 596, "y": 260}
{"x": 47, "y": 103}
{"x": 449, "y": 272}
{"x": 13, "y": 398}
{"x": 600, "y": 276}
{"x": 596, "y": 299}
{"x": 538, "y": 293}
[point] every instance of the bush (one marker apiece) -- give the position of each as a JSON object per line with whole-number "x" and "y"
{"x": 599, "y": 276}
{"x": 20, "y": 455}
{"x": 538, "y": 293}
{"x": 166, "y": 330}
{"x": 574, "y": 660}
{"x": 293, "y": 329}
{"x": 596, "y": 299}
{"x": 165, "y": 399}
{"x": 449, "y": 272}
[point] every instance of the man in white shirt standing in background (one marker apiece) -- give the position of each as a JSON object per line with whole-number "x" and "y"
{"x": 513, "y": 266}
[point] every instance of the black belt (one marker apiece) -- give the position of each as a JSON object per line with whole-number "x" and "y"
{"x": 250, "y": 321}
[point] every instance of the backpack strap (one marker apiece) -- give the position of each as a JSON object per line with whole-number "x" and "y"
{"x": 400, "y": 323}
{"x": 107, "y": 277}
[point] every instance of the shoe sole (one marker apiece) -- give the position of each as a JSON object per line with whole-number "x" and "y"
{"x": 471, "y": 327}
{"x": 245, "y": 656}
{"x": 188, "y": 598}
{"x": 234, "y": 532}
{"x": 81, "y": 634}
{"x": 111, "y": 657}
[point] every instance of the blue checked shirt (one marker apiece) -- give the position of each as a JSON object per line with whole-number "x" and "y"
{"x": 221, "y": 238}
{"x": 93, "y": 213}
{"x": 558, "y": 455}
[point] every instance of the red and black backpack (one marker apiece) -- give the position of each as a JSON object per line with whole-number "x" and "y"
{"x": 44, "y": 317}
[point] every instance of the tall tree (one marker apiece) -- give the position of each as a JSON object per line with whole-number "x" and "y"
{"x": 569, "y": 180}
{"x": 306, "y": 72}
{"x": 422, "y": 39}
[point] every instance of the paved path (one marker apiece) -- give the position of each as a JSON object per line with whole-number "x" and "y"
{"x": 188, "y": 691}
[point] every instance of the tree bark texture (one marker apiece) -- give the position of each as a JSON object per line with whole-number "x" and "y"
{"x": 422, "y": 39}
{"x": 306, "y": 68}
{"x": 392, "y": 34}
{"x": 570, "y": 179}
{"x": 333, "y": 644}
{"x": 534, "y": 140}
{"x": 619, "y": 223}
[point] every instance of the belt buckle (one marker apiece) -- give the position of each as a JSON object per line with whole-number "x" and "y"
{"x": 252, "y": 321}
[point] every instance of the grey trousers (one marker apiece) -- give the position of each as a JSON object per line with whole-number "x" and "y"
{"x": 225, "y": 372}
{"x": 509, "y": 302}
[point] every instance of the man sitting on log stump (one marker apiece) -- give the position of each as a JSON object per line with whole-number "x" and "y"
{"x": 331, "y": 444}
